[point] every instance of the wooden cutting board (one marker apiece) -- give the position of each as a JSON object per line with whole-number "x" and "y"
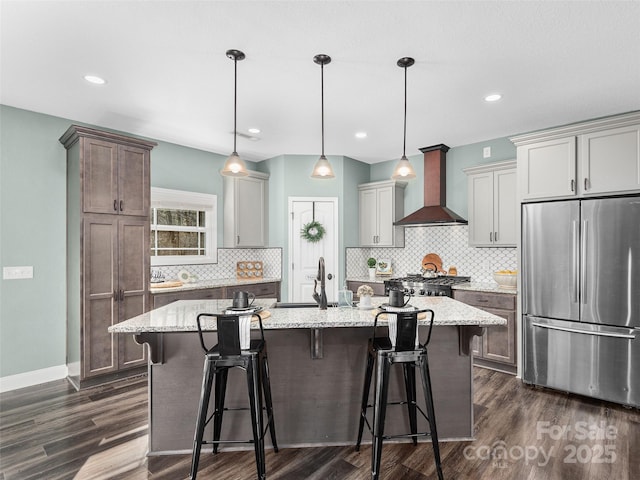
{"x": 432, "y": 258}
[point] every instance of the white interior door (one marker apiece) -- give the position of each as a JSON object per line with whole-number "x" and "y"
{"x": 304, "y": 255}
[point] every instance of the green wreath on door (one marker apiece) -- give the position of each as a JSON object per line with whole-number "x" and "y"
{"x": 312, "y": 232}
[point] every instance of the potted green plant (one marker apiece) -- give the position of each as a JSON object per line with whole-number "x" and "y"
{"x": 371, "y": 263}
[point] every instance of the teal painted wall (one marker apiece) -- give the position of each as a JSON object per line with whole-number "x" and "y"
{"x": 33, "y": 216}
{"x": 32, "y": 232}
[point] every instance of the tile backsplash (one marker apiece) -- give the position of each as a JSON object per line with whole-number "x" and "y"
{"x": 450, "y": 242}
{"x": 271, "y": 259}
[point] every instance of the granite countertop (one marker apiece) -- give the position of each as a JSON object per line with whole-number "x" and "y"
{"x": 181, "y": 316}
{"x": 490, "y": 287}
{"x": 219, "y": 282}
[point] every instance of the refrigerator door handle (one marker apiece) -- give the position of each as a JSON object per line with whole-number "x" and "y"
{"x": 576, "y": 263}
{"x": 583, "y": 262}
{"x": 585, "y": 332}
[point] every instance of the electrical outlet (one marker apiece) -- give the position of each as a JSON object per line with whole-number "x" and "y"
{"x": 486, "y": 152}
{"x": 16, "y": 273}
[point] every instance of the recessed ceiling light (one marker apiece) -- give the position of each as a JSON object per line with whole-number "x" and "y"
{"x": 95, "y": 79}
{"x": 494, "y": 97}
{"x": 254, "y": 130}
{"x": 361, "y": 134}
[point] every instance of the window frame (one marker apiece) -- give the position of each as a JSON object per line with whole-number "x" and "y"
{"x": 185, "y": 200}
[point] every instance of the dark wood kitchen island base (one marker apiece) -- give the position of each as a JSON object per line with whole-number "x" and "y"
{"x": 317, "y": 360}
{"x": 316, "y": 401}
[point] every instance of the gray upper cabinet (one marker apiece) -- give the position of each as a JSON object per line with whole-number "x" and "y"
{"x": 381, "y": 204}
{"x": 115, "y": 178}
{"x": 246, "y": 211}
{"x": 580, "y": 160}
{"x": 108, "y": 232}
{"x": 492, "y": 204}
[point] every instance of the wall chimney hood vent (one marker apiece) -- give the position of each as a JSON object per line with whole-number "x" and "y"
{"x": 434, "y": 211}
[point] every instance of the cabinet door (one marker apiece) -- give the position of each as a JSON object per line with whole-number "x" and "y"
{"x": 610, "y": 161}
{"x": 548, "y": 169}
{"x": 133, "y": 284}
{"x": 133, "y": 181}
{"x": 481, "y": 196}
{"x": 386, "y": 205}
{"x": 100, "y": 301}
{"x": 368, "y": 217}
{"x": 505, "y": 206}
{"x": 498, "y": 342}
{"x": 99, "y": 176}
{"x": 249, "y": 214}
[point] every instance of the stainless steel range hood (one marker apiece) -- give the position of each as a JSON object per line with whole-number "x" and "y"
{"x": 434, "y": 211}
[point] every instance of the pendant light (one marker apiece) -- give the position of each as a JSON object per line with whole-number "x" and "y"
{"x": 404, "y": 170}
{"x": 234, "y": 166}
{"x": 322, "y": 168}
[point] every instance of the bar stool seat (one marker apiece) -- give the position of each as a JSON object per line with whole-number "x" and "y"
{"x": 227, "y": 354}
{"x": 407, "y": 351}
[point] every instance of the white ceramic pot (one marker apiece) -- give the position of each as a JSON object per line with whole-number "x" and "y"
{"x": 372, "y": 273}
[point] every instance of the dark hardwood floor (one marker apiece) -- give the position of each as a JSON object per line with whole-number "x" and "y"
{"x": 53, "y": 432}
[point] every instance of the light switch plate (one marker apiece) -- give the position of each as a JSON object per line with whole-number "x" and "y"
{"x": 486, "y": 152}
{"x": 17, "y": 273}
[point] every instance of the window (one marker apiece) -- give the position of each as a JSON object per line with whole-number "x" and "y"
{"x": 183, "y": 227}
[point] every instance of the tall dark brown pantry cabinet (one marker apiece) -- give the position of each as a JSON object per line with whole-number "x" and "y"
{"x": 108, "y": 197}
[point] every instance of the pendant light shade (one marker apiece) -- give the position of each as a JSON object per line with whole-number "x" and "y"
{"x": 235, "y": 166}
{"x": 322, "y": 168}
{"x": 404, "y": 169}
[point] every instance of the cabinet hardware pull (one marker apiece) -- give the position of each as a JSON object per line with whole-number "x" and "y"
{"x": 122, "y": 295}
{"x": 238, "y": 243}
{"x": 491, "y": 236}
{"x": 121, "y": 205}
{"x": 573, "y": 188}
{"x": 115, "y": 205}
{"x": 115, "y": 295}
{"x": 585, "y": 183}
{"x": 495, "y": 236}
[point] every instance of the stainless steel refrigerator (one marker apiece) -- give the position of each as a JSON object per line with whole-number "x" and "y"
{"x": 581, "y": 297}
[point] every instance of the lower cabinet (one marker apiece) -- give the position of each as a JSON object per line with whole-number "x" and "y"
{"x": 260, "y": 290}
{"x": 497, "y": 347}
{"x": 378, "y": 288}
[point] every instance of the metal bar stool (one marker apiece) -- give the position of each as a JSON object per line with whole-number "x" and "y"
{"x": 410, "y": 353}
{"x": 218, "y": 360}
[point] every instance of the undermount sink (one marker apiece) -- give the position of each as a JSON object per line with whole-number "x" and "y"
{"x": 300, "y": 305}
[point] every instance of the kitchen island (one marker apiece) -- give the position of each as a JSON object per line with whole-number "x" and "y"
{"x": 316, "y": 361}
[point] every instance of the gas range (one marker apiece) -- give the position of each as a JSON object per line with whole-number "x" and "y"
{"x": 415, "y": 284}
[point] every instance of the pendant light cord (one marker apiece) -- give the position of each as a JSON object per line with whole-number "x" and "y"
{"x": 235, "y": 100}
{"x": 322, "y": 102}
{"x": 404, "y": 140}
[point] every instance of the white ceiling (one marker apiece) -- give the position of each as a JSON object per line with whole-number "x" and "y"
{"x": 169, "y": 79}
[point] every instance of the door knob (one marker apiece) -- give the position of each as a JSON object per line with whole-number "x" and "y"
{"x": 329, "y": 276}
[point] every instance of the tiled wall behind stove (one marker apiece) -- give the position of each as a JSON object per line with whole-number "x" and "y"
{"x": 451, "y": 243}
{"x": 271, "y": 259}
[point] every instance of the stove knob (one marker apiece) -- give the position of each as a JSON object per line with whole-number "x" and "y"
{"x": 422, "y": 292}
{"x": 442, "y": 294}
{"x": 412, "y": 291}
{"x": 429, "y": 293}
{"x": 406, "y": 291}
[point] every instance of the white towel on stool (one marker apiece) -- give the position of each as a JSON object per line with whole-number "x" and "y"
{"x": 244, "y": 329}
{"x": 392, "y": 319}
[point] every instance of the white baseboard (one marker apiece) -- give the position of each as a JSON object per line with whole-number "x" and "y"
{"x": 35, "y": 377}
